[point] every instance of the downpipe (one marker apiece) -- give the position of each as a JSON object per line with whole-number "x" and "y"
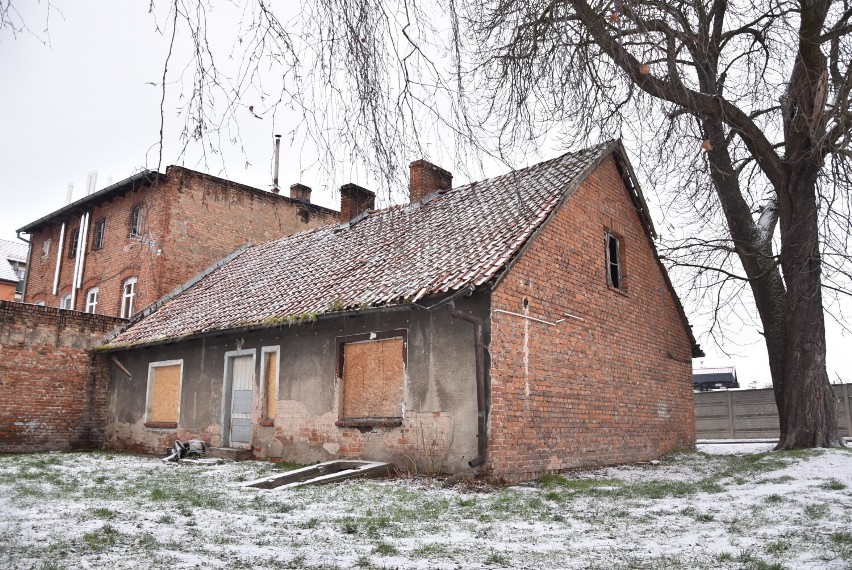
{"x": 481, "y": 426}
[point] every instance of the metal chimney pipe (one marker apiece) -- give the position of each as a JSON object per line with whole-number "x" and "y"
{"x": 91, "y": 182}
{"x": 275, "y": 187}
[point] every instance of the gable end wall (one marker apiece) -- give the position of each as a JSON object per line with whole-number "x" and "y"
{"x": 613, "y": 388}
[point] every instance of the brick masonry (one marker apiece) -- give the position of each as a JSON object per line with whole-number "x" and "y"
{"x": 613, "y": 388}
{"x": 189, "y": 219}
{"x": 53, "y": 389}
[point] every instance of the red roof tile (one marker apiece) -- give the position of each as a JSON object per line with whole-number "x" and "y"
{"x": 448, "y": 241}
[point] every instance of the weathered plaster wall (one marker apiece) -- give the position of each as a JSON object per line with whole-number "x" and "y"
{"x": 613, "y": 388}
{"x": 439, "y": 427}
{"x": 53, "y": 390}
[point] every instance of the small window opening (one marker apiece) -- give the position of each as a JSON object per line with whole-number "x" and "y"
{"x": 45, "y": 248}
{"x": 136, "y": 221}
{"x": 65, "y": 302}
{"x": 613, "y": 261}
{"x": 75, "y": 242}
{"x": 100, "y": 228}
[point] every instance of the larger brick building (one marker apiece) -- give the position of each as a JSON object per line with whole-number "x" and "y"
{"x": 118, "y": 250}
{"x": 510, "y": 327}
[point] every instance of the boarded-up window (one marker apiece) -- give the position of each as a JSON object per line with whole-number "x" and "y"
{"x": 270, "y": 382}
{"x": 373, "y": 373}
{"x": 164, "y": 383}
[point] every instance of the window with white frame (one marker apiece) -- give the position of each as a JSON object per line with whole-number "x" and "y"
{"x": 75, "y": 243}
{"x": 98, "y": 239}
{"x": 45, "y": 248}
{"x": 136, "y": 221}
{"x": 92, "y": 300}
{"x": 65, "y": 302}
{"x": 162, "y": 408}
{"x": 128, "y": 295}
{"x": 269, "y": 368}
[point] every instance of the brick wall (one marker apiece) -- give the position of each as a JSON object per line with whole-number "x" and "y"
{"x": 52, "y": 388}
{"x": 7, "y": 291}
{"x": 613, "y": 388}
{"x": 189, "y": 221}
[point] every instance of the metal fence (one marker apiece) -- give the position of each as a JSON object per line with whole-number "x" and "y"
{"x": 751, "y": 414}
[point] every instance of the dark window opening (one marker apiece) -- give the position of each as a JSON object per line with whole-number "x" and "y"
{"x": 136, "y": 221}
{"x": 75, "y": 242}
{"x": 100, "y": 228}
{"x": 613, "y": 261}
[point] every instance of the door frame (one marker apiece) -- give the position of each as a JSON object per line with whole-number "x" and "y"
{"x": 227, "y": 390}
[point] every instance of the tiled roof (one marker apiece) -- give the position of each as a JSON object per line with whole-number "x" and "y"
{"x": 11, "y": 251}
{"x": 448, "y": 241}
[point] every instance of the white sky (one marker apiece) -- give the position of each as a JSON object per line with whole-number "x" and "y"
{"x": 85, "y": 103}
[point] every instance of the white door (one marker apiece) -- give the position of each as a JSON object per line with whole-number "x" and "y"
{"x": 242, "y": 382}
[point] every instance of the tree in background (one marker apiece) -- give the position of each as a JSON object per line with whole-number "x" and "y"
{"x": 764, "y": 91}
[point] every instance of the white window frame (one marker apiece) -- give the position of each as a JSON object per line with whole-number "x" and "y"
{"x": 74, "y": 244}
{"x": 149, "y": 392}
{"x": 65, "y": 302}
{"x": 45, "y": 248}
{"x": 92, "y": 300}
{"x": 136, "y": 221}
{"x": 267, "y": 353}
{"x": 100, "y": 232}
{"x": 128, "y": 299}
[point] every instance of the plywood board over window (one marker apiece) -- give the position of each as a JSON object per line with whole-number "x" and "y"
{"x": 373, "y": 373}
{"x": 269, "y": 369}
{"x": 163, "y": 401}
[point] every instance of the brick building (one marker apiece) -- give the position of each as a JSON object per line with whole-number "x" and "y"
{"x": 119, "y": 249}
{"x": 13, "y": 268}
{"x": 510, "y": 327}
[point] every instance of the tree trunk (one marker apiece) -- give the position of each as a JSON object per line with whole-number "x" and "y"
{"x": 809, "y": 417}
{"x": 753, "y": 246}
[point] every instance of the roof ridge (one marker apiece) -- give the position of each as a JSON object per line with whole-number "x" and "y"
{"x": 392, "y": 256}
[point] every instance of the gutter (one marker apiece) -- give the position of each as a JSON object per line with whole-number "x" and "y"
{"x": 481, "y": 407}
{"x": 29, "y": 265}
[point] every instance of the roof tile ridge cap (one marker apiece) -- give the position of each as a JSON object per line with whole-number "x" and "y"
{"x": 538, "y": 165}
{"x": 375, "y": 212}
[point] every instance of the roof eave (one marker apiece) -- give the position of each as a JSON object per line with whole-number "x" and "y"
{"x": 141, "y": 178}
{"x": 277, "y": 323}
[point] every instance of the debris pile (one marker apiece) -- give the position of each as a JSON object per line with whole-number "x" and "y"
{"x": 192, "y": 449}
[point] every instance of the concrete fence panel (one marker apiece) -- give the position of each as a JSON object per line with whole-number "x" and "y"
{"x": 751, "y": 414}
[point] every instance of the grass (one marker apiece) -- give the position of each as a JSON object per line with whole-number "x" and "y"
{"x": 79, "y": 510}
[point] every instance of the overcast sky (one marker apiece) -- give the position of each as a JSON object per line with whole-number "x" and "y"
{"x": 90, "y": 101}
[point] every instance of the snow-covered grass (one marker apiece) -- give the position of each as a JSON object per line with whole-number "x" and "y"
{"x": 724, "y": 506}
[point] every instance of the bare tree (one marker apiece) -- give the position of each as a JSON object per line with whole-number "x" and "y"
{"x": 744, "y": 104}
{"x": 765, "y": 89}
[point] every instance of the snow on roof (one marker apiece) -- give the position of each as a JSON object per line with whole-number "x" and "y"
{"x": 11, "y": 251}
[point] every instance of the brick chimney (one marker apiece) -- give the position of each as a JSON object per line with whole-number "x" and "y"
{"x": 354, "y": 200}
{"x": 300, "y": 192}
{"x": 425, "y": 178}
